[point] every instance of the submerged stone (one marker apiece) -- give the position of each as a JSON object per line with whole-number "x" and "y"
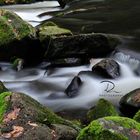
{"x": 111, "y": 128}
{"x": 130, "y": 103}
{"x": 107, "y": 68}
{"x": 18, "y": 38}
{"x": 103, "y": 109}
{"x": 73, "y": 87}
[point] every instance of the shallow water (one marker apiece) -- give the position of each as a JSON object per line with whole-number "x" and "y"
{"x": 90, "y": 16}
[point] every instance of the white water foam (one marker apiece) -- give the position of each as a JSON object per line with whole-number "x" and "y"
{"x": 49, "y": 89}
{"x": 30, "y": 12}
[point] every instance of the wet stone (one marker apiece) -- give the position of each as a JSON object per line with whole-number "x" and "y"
{"x": 107, "y": 68}
{"x": 111, "y": 128}
{"x": 73, "y": 88}
{"x": 130, "y": 103}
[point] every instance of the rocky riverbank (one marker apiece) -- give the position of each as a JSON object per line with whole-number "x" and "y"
{"x": 23, "y": 118}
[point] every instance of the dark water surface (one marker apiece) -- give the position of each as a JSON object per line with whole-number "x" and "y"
{"x": 119, "y": 17}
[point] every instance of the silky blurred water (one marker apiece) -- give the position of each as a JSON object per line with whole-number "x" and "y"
{"x": 47, "y": 86}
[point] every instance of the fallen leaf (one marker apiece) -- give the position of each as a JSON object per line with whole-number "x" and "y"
{"x": 53, "y": 134}
{"x": 32, "y": 124}
{"x": 16, "y": 132}
{"x": 12, "y": 115}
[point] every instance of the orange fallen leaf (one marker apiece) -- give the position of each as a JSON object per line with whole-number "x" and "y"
{"x": 16, "y": 132}
{"x": 12, "y": 115}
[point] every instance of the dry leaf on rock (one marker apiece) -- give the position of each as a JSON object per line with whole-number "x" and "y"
{"x": 16, "y": 132}
{"x": 12, "y": 115}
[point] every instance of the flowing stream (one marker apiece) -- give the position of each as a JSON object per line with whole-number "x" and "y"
{"x": 47, "y": 86}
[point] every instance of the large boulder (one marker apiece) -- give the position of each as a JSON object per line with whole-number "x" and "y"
{"x": 111, "y": 128}
{"x": 108, "y": 68}
{"x": 130, "y": 103}
{"x": 18, "y": 38}
{"x": 103, "y": 109}
{"x": 82, "y": 46}
{"x": 23, "y": 118}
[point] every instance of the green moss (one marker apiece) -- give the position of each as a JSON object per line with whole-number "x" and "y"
{"x": 137, "y": 116}
{"x": 50, "y": 31}
{"x": 13, "y": 27}
{"x": 49, "y": 23}
{"x": 43, "y": 114}
{"x": 2, "y": 88}
{"x": 4, "y": 104}
{"x": 102, "y": 109}
{"x": 108, "y": 128}
{"x": 125, "y": 122}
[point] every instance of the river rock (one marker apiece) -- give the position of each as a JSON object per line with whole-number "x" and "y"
{"x": 18, "y": 64}
{"x": 73, "y": 87}
{"x": 130, "y": 103}
{"x": 23, "y": 118}
{"x": 103, "y": 109}
{"x": 47, "y": 30}
{"x": 80, "y": 46}
{"x": 18, "y": 39}
{"x": 68, "y": 62}
{"x": 107, "y": 68}
{"x": 111, "y": 128}
{"x": 137, "y": 116}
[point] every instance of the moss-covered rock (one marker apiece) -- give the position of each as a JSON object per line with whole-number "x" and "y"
{"x": 137, "y": 116}
{"x": 130, "y": 103}
{"x": 18, "y": 64}
{"x": 111, "y": 128}
{"x": 4, "y": 104}
{"x": 84, "y": 46}
{"x": 17, "y": 38}
{"x": 47, "y": 30}
{"x": 22, "y": 112}
{"x": 102, "y": 109}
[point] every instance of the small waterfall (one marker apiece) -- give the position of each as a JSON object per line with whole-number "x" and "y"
{"x": 49, "y": 89}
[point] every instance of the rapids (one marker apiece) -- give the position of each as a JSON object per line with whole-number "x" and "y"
{"x": 47, "y": 86}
